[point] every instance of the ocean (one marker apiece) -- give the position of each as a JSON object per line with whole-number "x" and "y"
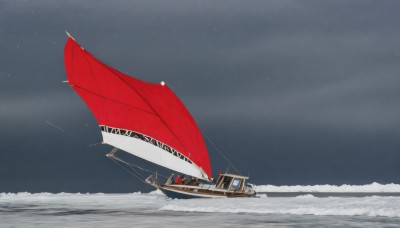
{"x": 285, "y": 207}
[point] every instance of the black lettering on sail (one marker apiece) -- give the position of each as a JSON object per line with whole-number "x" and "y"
{"x": 160, "y": 144}
{"x": 150, "y": 140}
{"x": 147, "y": 139}
{"x": 166, "y": 148}
{"x": 173, "y": 151}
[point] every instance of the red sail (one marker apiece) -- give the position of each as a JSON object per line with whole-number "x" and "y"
{"x": 123, "y": 102}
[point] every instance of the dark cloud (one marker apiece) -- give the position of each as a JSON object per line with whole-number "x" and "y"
{"x": 297, "y": 92}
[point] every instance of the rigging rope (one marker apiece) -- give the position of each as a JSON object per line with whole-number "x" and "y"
{"x": 66, "y": 132}
{"x": 138, "y": 167}
{"x": 118, "y": 161}
{"x": 140, "y": 178}
{"x": 213, "y": 144}
{"x": 220, "y": 152}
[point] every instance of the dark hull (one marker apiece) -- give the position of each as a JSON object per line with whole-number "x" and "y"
{"x": 227, "y": 186}
{"x": 178, "y": 195}
{"x": 190, "y": 192}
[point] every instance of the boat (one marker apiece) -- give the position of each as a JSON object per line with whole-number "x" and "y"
{"x": 149, "y": 121}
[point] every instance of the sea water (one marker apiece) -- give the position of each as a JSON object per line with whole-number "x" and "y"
{"x": 378, "y": 208}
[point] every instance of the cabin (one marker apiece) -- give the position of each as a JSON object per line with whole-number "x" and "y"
{"x": 231, "y": 182}
{"x": 227, "y": 185}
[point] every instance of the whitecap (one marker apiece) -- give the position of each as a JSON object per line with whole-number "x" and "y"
{"x": 370, "y": 188}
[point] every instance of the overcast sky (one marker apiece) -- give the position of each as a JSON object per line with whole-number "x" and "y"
{"x": 292, "y": 92}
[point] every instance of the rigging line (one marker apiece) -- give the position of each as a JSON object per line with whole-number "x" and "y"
{"x": 66, "y": 132}
{"x": 114, "y": 158}
{"x": 141, "y": 179}
{"x": 191, "y": 117}
{"x": 220, "y": 152}
{"x": 136, "y": 166}
{"x": 216, "y": 148}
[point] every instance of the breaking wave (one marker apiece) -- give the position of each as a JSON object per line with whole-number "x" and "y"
{"x": 370, "y": 188}
{"x": 371, "y": 212}
{"x": 131, "y": 203}
{"x": 61, "y": 194}
{"x": 307, "y": 196}
{"x": 301, "y": 205}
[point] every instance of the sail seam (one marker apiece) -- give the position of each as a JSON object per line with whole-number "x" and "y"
{"x": 98, "y": 100}
{"x": 95, "y": 79}
{"x": 145, "y": 100}
{"x": 118, "y": 102}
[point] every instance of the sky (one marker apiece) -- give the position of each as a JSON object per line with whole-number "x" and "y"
{"x": 292, "y": 92}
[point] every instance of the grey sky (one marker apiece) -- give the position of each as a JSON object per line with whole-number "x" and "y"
{"x": 295, "y": 92}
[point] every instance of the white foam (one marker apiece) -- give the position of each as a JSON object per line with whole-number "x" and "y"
{"x": 371, "y": 212}
{"x": 41, "y": 194}
{"x": 307, "y": 196}
{"x": 22, "y": 194}
{"x": 374, "y": 187}
{"x": 302, "y": 205}
{"x": 84, "y": 201}
{"x": 61, "y": 195}
{"x": 156, "y": 192}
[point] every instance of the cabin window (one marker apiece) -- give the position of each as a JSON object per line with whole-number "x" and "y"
{"x": 235, "y": 184}
{"x": 226, "y": 182}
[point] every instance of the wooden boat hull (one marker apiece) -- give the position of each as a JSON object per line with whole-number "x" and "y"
{"x": 189, "y": 192}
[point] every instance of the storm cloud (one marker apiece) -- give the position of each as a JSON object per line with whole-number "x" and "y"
{"x": 294, "y": 92}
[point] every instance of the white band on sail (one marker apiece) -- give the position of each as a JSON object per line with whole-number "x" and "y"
{"x": 151, "y": 150}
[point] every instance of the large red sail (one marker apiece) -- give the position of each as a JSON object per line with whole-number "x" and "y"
{"x": 124, "y": 104}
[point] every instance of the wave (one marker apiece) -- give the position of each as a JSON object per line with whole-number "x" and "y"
{"x": 302, "y": 205}
{"x": 156, "y": 192}
{"x": 61, "y": 194}
{"x": 370, "y": 212}
{"x": 370, "y": 188}
{"x": 307, "y": 196}
{"x": 306, "y": 204}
